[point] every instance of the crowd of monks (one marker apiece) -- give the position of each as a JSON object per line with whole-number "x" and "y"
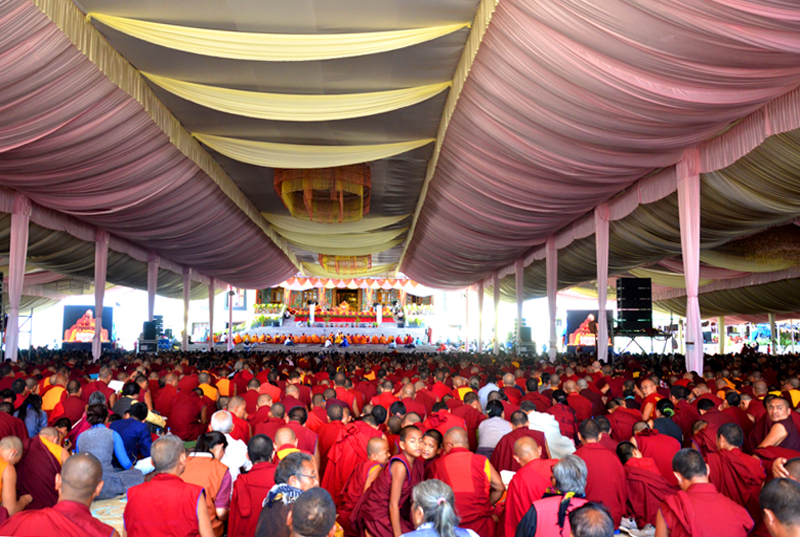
{"x": 336, "y": 338}
{"x": 667, "y": 452}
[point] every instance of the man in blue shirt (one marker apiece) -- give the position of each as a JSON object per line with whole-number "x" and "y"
{"x": 135, "y": 434}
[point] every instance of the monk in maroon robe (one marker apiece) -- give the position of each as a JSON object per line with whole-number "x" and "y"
{"x": 647, "y": 488}
{"x": 606, "y": 479}
{"x": 564, "y": 415}
{"x": 503, "y": 454}
{"x": 361, "y": 480}
{"x": 704, "y": 437}
{"x": 328, "y": 434}
{"x": 188, "y": 417}
{"x": 471, "y": 413}
{"x": 12, "y": 426}
{"x": 529, "y": 484}
{"x": 79, "y": 482}
{"x": 734, "y": 474}
{"x": 477, "y": 485}
{"x": 622, "y": 420}
{"x": 36, "y": 472}
{"x": 347, "y": 454}
{"x": 659, "y": 447}
{"x": 442, "y": 420}
{"x": 251, "y": 488}
{"x": 165, "y": 397}
{"x": 698, "y": 509}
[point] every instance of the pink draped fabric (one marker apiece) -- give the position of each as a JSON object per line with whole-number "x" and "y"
{"x": 689, "y": 214}
{"x": 519, "y": 283}
{"x": 552, "y": 290}
{"x": 230, "y": 318}
{"x": 18, "y": 250}
{"x": 481, "y": 294}
{"x": 211, "y": 288}
{"x": 152, "y": 285}
{"x": 496, "y": 296}
{"x": 748, "y": 280}
{"x": 601, "y": 249}
{"x": 40, "y": 278}
{"x": 569, "y": 102}
{"x": 706, "y": 272}
{"x": 74, "y": 142}
{"x": 187, "y": 290}
{"x": 100, "y": 270}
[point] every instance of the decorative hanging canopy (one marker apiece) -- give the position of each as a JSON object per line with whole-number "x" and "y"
{"x": 328, "y": 195}
{"x": 346, "y": 264}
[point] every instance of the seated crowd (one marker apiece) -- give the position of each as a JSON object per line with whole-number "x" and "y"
{"x": 385, "y": 444}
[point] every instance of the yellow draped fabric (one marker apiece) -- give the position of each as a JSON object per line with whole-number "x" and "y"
{"x": 294, "y": 107}
{"x": 272, "y": 47}
{"x": 273, "y": 155}
{"x": 345, "y": 243}
{"x": 316, "y": 271}
{"x": 738, "y": 262}
{"x": 287, "y": 223}
{"x": 667, "y": 279}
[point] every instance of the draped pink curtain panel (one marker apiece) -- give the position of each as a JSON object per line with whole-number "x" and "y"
{"x": 569, "y": 102}
{"x": 74, "y": 142}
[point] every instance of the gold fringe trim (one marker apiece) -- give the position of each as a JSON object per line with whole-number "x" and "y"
{"x": 94, "y": 46}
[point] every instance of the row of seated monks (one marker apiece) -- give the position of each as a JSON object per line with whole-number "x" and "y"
{"x": 316, "y": 339}
{"x": 521, "y": 443}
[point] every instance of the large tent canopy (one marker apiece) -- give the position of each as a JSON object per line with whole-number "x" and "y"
{"x": 461, "y": 141}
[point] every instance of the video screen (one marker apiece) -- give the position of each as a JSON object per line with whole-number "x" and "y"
{"x": 582, "y": 328}
{"x": 79, "y": 324}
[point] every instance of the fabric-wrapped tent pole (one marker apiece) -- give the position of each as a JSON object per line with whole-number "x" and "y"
{"x": 480, "y": 315}
{"x": 466, "y": 320}
{"x": 689, "y": 215}
{"x": 152, "y": 285}
{"x": 18, "y": 253}
{"x": 187, "y": 290}
{"x": 601, "y": 215}
{"x": 519, "y": 266}
{"x": 721, "y": 333}
{"x": 552, "y": 289}
{"x": 100, "y": 270}
{"x": 496, "y": 288}
{"x": 230, "y": 318}
{"x": 773, "y": 340}
{"x": 211, "y": 284}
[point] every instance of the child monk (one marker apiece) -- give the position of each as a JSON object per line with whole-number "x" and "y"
{"x": 378, "y": 513}
{"x": 430, "y": 445}
{"x": 10, "y": 455}
{"x": 361, "y": 480}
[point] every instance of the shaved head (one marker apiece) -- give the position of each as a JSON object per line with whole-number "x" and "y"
{"x": 285, "y": 436}
{"x": 526, "y": 449}
{"x": 457, "y": 437}
{"x": 80, "y": 476}
{"x": 376, "y": 445}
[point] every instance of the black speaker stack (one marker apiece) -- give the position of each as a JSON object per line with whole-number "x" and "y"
{"x": 634, "y": 305}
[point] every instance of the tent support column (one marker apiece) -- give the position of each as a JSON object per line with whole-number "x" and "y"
{"x": 211, "y": 285}
{"x": 466, "y": 320}
{"x": 689, "y": 215}
{"x": 230, "y": 318}
{"x": 518, "y": 287}
{"x": 496, "y": 288}
{"x": 187, "y": 291}
{"x": 152, "y": 285}
{"x": 100, "y": 272}
{"x": 601, "y": 215}
{"x": 17, "y": 256}
{"x": 721, "y": 333}
{"x": 773, "y": 339}
{"x": 480, "y": 316}
{"x": 552, "y": 289}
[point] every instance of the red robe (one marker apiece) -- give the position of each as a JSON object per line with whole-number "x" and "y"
{"x": 581, "y": 405}
{"x": 371, "y": 513}
{"x": 527, "y": 486}
{"x": 606, "y": 479}
{"x": 647, "y": 488}
{"x": 741, "y": 418}
{"x": 164, "y": 399}
{"x": 328, "y": 434}
{"x": 443, "y": 421}
{"x": 177, "y": 507}
{"x": 566, "y": 418}
{"x": 11, "y": 426}
{"x": 466, "y": 473}
{"x": 352, "y": 492}
{"x": 184, "y": 420}
{"x": 65, "y": 519}
{"x": 241, "y": 429}
{"x": 251, "y": 401}
{"x": 36, "y": 475}
{"x": 739, "y": 477}
{"x": 314, "y": 423}
{"x": 72, "y": 407}
{"x": 346, "y": 454}
{"x": 249, "y": 492}
{"x": 503, "y": 454}
{"x": 705, "y": 441}
{"x": 542, "y": 403}
{"x": 473, "y": 419}
{"x": 661, "y": 448}
{"x": 769, "y": 454}
{"x": 270, "y": 427}
{"x": 702, "y": 511}
{"x": 622, "y": 421}
{"x": 685, "y": 416}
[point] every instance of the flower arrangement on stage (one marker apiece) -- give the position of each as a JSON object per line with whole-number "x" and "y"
{"x": 276, "y": 308}
{"x": 418, "y": 310}
{"x": 343, "y": 314}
